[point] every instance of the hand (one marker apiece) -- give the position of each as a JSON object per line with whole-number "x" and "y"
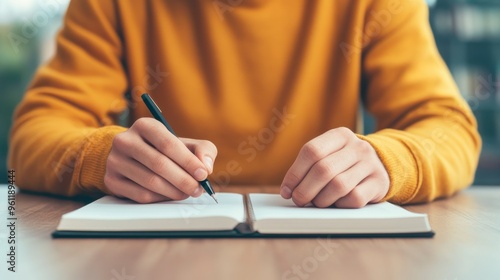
{"x": 336, "y": 168}
{"x": 147, "y": 164}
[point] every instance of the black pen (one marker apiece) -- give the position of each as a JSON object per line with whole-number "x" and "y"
{"x": 157, "y": 114}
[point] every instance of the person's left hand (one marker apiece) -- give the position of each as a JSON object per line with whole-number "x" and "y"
{"x": 336, "y": 168}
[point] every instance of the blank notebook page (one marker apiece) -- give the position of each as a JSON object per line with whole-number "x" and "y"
{"x": 113, "y": 210}
{"x": 273, "y": 206}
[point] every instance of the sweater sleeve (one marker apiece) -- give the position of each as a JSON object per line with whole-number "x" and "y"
{"x": 426, "y": 134}
{"x": 64, "y": 126}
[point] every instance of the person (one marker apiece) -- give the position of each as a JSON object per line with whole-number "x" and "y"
{"x": 264, "y": 92}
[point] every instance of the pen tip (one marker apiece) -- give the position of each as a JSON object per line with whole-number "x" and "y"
{"x": 214, "y": 199}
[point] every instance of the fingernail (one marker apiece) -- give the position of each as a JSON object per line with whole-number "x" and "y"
{"x": 200, "y": 174}
{"x": 209, "y": 163}
{"x": 285, "y": 192}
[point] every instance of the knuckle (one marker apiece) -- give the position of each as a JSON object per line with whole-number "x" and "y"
{"x": 209, "y": 146}
{"x": 300, "y": 196}
{"x": 312, "y": 151}
{"x": 153, "y": 181}
{"x": 320, "y": 203}
{"x": 120, "y": 141}
{"x": 362, "y": 150}
{"x": 356, "y": 199}
{"x": 141, "y": 123}
{"x": 159, "y": 163}
{"x": 190, "y": 164}
{"x": 145, "y": 197}
{"x": 291, "y": 179}
{"x": 110, "y": 162}
{"x": 340, "y": 184}
{"x": 364, "y": 147}
{"x": 323, "y": 170}
{"x": 382, "y": 183}
{"x": 167, "y": 144}
{"x": 185, "y": 184}
{"x": 109, "y": 181}
{"x": 344, "y": 131}
{"x": 178, "y": 196}
{"x": 386, "y": 180}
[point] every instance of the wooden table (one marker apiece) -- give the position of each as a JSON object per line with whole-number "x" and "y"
{"x": 466, "y": 246}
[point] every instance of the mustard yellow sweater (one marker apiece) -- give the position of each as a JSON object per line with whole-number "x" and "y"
{"x": 258, "y": 78}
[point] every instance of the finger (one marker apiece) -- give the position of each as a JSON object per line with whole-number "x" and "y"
{"x": 156, "y": 162}
{"x": 315, "y": 150}
{"x": 156, "y": 134}
{"x": 125, "y": 188}
{"x": 321, "y": 173}
{"x": 143, "y": 176}
{"x": 205, "y": 150}
{"x": 361, "y": 195}
{"x": 343, "y": 184}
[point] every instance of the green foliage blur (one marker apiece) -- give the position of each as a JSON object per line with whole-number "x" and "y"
{"x": 27, "y": 31}
{"x": 16, "y": 70}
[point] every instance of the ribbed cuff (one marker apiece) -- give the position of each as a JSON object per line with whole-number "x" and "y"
{"x": 399, "y": 162}
{"x": 90, "y": 172}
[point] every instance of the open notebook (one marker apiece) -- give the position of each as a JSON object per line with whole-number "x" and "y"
{"x": 236, "y": 215}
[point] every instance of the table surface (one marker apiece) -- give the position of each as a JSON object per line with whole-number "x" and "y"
{"x": 466, "y": 246}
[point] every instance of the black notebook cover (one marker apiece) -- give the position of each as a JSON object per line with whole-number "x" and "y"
{"x": 225, "y": 234}
{"x": 241, "y": 231}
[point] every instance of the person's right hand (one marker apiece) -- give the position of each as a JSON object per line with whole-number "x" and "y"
{"x": 148, "y": 164}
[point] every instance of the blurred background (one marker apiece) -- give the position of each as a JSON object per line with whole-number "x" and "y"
{"x": 467, "y": 34}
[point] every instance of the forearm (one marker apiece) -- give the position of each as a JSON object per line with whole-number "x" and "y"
{"x": 430, "y": 153}
{"x": 56, "y": 156}
{"x": 426, "y": 134}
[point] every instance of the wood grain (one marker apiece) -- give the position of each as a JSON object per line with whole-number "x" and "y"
{"x": 466, "y": 246}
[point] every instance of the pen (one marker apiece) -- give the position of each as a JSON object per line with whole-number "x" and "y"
{"x": 157, "y": 114}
